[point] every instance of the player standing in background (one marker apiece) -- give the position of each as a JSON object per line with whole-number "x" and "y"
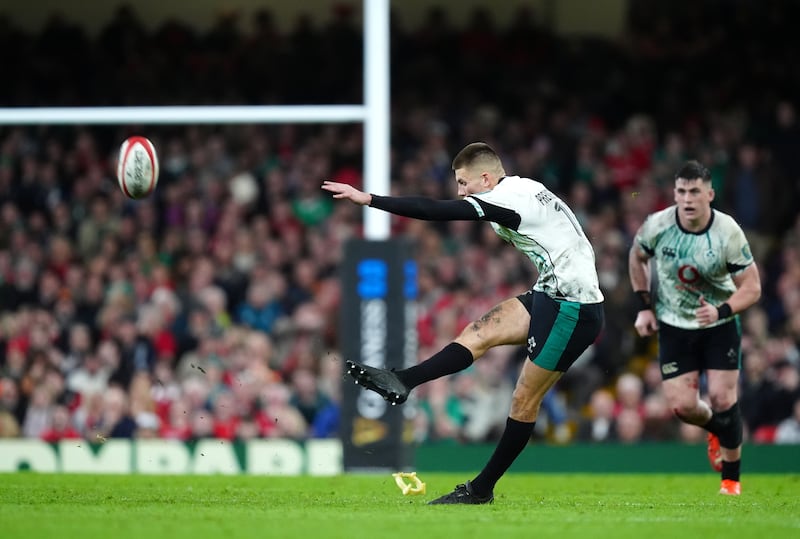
{"x": 566, "y": 298}
{"x": 704, "y": 275}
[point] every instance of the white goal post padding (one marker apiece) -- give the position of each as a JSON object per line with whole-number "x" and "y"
{"x": 182, "y": 115}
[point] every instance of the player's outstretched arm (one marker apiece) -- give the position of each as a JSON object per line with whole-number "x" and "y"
{"x": 415, "y": 207}
{"x": 348, "y": 192}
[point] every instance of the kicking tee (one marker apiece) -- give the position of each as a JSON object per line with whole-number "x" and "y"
{"x": 692, "y": 264}
{"x": 524, "y": 213}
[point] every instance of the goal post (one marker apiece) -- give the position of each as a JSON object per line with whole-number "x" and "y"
{"x": 201, "y": 114}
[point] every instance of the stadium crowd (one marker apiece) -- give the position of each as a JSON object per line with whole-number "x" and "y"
{"x": 210, "y": 308}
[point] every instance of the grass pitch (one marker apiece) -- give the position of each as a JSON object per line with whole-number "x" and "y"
{"x": 526, "y": 506}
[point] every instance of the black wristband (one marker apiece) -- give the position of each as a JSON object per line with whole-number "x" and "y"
{"x": 724, "y": 311}
{"x": 644, "y": 300}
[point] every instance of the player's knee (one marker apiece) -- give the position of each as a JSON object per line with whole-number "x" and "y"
{"x": 684, "y": 410}
{"x": 722, "y": 400}
{"x": 478, "y": 342}
{"x": 473, "y": 343}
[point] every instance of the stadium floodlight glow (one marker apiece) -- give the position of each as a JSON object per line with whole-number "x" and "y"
{"x": 373, "y": 114}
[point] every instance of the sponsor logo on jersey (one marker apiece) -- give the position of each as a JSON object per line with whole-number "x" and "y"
{"x": 668, "y": 252}
{"x": 688, "y": 274}
{"x": 669, "y": 368}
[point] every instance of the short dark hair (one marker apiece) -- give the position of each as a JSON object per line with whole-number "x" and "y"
{"x": 693, "y": 170}
{"x": 475, "y": 152}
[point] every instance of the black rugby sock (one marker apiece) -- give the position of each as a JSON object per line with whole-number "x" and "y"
{"x": 449, "y": 360}
{"x": 727, "y": 426}
{"x": 511, "y": 444}
{"x": 714, "y": 425}
{"x": 730, "y": 470}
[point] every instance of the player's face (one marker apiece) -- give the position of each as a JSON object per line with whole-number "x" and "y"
{"x": 470, "y": 182}
{"x": 693, "y": 198}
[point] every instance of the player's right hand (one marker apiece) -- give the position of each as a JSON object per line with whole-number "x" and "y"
{"x": 646, "y": 323}
{"x": 343, "y": 190}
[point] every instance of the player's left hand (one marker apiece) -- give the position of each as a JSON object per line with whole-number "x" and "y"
{"x": 706, "y": 314}
{"x": 343, "y": 190}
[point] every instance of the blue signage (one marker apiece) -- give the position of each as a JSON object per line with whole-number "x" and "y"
{"x": 373, "y": 278}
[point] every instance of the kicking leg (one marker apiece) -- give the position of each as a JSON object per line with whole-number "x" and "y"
{"x": 506, "y": 323}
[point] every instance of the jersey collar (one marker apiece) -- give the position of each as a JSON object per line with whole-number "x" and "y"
{"x": 699, "y": 232}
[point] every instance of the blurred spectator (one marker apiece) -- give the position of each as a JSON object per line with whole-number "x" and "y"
{"x": 276, "y": 417}
{"x": 755, "y": 197}
{"x": 39, "y": 413}
{"x": 115, "y": 420}
{"x": 691, "y": 434}
{"x": 486, "y": 399}
{"x": 310, "y": 206}
{"x": 629, "y": 394}
{"x": 226, "y": 417}
{"x": 788, "y": 431}
{"x": 215, "y": 301}
{"x": 262, "y": 308}
{"x": 659, "y": 424}
{"x": 79, "y": 344}
{"x": 137, "y": 353}
{"x": 60, "y": 426}
{"x": 202, "y": 425}
{"x": 22, "y": 291}
{"x": 247, "y": 429}
{"x": 768, "y": 393}
{"x": 91, "y": 375}
{"x": 582, "y": 378}
{"x": 319, "y": 411}
{"x": 629, "y": 426}
{"x": 147, "y": 425}
{"x": 177, "y": 424}
{"x": 98, "y": 225}
{"x": 11, "y": 404}
{"x": 598, "y": 424}
{"x": 9, "y": 427}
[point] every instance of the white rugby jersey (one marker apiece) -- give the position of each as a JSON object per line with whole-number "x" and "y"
{"x": 549, "y": 234}
{"x": 692, "y": 264}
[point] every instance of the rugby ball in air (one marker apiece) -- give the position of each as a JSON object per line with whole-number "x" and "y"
{"x": 137, "y": 167}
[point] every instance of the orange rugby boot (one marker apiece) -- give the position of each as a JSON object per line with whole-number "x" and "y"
{"x": 730, "y": 487}
{"x": 714, "y": 453}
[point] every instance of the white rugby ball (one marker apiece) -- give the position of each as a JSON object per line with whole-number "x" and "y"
{"x": 137, "y": 167}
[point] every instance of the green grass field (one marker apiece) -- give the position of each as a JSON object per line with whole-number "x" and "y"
{"x": 359, "y": 506}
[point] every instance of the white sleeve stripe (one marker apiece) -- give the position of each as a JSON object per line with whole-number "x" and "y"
{"x": 476, "y": 206}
